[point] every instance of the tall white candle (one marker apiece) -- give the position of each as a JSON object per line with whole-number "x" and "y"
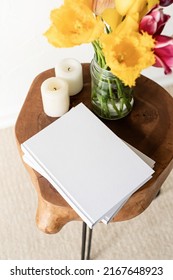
{"x": 71, "y": 71}
{"x": 55, "y": 96}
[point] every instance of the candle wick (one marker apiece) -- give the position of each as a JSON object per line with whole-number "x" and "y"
{"x": 69, "y": 68}
{"x": 54, "y": 88}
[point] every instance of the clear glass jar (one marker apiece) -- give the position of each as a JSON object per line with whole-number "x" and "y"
{"x": 110, "y": 98}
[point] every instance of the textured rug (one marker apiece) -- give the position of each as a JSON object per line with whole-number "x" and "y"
{"x": 148, "y": 236}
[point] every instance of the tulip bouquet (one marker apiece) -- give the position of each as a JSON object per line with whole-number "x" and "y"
{"x": 126, "y": 36}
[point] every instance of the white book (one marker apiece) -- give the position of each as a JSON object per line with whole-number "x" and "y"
{"x": 91, "y": 167}
{"x": 108, "y": 216}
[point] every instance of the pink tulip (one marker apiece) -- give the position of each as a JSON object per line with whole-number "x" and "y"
{"x": 165, "y": 3}
{"x": 154, "y": 22}
{"x": 164, "y": 53}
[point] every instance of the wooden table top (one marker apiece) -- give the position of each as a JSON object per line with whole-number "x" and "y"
{"x": 149, "y": 128}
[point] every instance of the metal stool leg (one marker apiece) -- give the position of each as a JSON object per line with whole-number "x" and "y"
{"x": 89, "y": 244}
{"x": 84, "y": 240}
{"x": 84, "y": 228}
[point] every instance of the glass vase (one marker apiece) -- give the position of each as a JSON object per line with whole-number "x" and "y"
{"x": 110, "y": 98}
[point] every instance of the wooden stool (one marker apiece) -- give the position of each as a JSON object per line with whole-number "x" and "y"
{"x": 149, "y": 128}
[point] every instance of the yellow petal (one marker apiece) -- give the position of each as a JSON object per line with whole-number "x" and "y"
{"x": 151, "y": 4}
{"x": 148, "y": 7}
{"x": 134, "y": 6}
{"x": 112, "y": 18}
{"x": 123, "y": 6}
{"x": 57, "y": 39}
{"x": 128, "y": 25}
{"x": 137, "y": 7}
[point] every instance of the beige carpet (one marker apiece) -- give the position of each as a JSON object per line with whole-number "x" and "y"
{"x": 148, "y": 236}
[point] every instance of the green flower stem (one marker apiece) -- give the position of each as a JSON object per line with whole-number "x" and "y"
{"x": 112, "y": 98}
{"x": 120, "y": 94}
{"x": 119, "y": 88}
{"x": 103, "y": 107}
{"x": 125, "y": 100}
{"x": 99, "y": 54}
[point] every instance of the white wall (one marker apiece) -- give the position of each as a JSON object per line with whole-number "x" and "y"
{"x": 25, "y": 52}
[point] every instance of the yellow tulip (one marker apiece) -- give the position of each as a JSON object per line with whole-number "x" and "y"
{"x": 112, "y": 18}
{"x": 148, "y": 7}
{"x": 151, "y": 4}
{"x": 128, "y": 25}
{"x": 138, "y": 6}
{"x": 130, "y": 6}
{"x": 123, "y": 6}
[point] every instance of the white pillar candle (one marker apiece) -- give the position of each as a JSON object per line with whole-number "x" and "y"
{"x": 71, "y": 71}
{"x": 55, "y": 97}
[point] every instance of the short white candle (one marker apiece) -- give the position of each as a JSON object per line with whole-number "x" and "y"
{"x": 55, "y": 97}
{"x": 71, "y": 71}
